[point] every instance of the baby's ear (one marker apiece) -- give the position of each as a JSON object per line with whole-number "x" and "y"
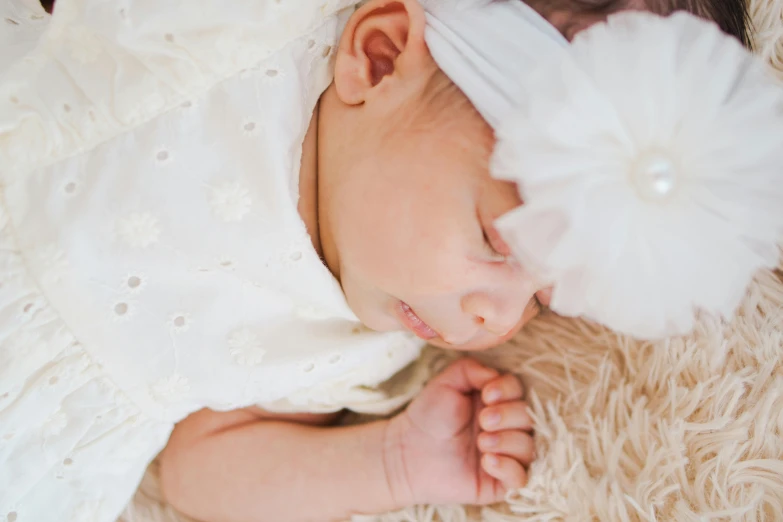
{"x": 382, "y": 39}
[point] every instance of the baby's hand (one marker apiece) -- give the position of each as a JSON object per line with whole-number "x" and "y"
{"x": 465, "y": 439}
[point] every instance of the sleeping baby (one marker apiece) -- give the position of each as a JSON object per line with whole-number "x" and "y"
{"x": 222, "y": 225}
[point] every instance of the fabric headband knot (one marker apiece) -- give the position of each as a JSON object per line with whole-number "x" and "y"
{"x": 648, "y": 153}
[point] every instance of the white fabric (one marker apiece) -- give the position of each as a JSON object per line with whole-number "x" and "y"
{"x": 489, "y": 48}
{"x": 152, "y": 258}
{"x": 649, "y": 155}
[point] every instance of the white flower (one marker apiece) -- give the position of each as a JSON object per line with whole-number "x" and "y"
{"x": 313, "y": 311}
{"x": 134, "y": 283}
{"x": 271, "y": 74}
{"x": 171, "y": 389}
{"x": 230, "y": 201}
{"x": 227, "y": 263}
{"x": 649, "y": 160}
{"x": 245, "y": 347}
{"x": 86, "y": 511}
{"x": 54, "y": 262}
{"x": 180, "y": 322}
{"x": 139, "y": 230}
{"x": 122, "y": 311}
{"x": 249, "y": 128}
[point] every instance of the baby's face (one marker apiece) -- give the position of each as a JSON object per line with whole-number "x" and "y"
{"x": 411, "y": 219}
{"x": 405, "y": 199}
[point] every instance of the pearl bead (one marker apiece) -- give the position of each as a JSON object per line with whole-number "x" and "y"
{"x": 654, "y": 176}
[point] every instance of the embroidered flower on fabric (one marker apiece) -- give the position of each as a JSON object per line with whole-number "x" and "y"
{"x": 14, "y": 514}
{"x": 312, "y": 311}
{"x": 54, "y": 262}
{"x": 294, "y": 251}
{"x": 86, "y": 511}
{"x": 180, "y": 322}
{"x": 230, "y": 201}
{"x": 171, "y": 389}
{"x": 71, "y": 187}
{"x": 139, "y": 230}
{"x": 27, "y": 311}
{"x": 134, "y": 283}
{"x": 271, "y": 74}
{"x": 163, "y": 156}
{"x": 245, "y": 347}
{"x": 227, "y": 263}
{"x": 249, "y": 128}
{"x": 122, "y": 311}
{"x": 55, "y": 424}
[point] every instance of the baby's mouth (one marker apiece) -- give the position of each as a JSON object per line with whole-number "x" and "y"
{"x": 413, "y": 322}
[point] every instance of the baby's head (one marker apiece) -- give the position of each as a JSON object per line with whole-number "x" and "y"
{"x": 406, "y": 201}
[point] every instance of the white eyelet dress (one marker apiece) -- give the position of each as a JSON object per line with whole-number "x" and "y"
{"x": 152, "y": 261}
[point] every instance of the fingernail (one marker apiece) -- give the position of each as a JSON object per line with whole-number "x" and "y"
{"x": 492, "y": 460}
{"x": 491, "y": 419}
{"x": 489, "y": 441}
{"x": 494, "y": 395}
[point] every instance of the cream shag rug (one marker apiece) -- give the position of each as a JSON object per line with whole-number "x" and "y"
{"x": 686, "y": 430}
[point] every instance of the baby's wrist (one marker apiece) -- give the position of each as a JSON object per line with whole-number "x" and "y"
{"x": 396, "y": 465}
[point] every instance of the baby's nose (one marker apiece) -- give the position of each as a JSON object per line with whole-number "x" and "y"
{"x": 496, "y": 317}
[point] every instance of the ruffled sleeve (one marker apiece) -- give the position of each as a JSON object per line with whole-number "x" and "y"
{"x": 377, "y": 389}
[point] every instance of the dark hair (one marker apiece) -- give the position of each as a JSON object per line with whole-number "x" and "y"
{"x": 732, "y": 16}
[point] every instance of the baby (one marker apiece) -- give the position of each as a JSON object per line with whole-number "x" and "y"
{"x": 241, "y": 223}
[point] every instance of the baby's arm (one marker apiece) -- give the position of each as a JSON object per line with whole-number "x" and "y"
{"x": 464, "y": 439}
{"x": 249, "y": 465}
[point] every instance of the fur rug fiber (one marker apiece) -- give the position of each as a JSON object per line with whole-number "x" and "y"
{"x": 685, "y": 430}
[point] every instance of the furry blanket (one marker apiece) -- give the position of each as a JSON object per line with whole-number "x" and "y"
{"x": 681, "y": 430}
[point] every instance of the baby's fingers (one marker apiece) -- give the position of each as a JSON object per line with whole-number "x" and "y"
{"x": 504, "y": 388}
{"x": 515, "y": 444}
{"x": 508, "y": 471}
{"x": 505, "y": 416}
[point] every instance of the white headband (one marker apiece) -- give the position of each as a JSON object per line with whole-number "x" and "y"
{"x": 648, "y": 152}
{"x": 489, "y": 48}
